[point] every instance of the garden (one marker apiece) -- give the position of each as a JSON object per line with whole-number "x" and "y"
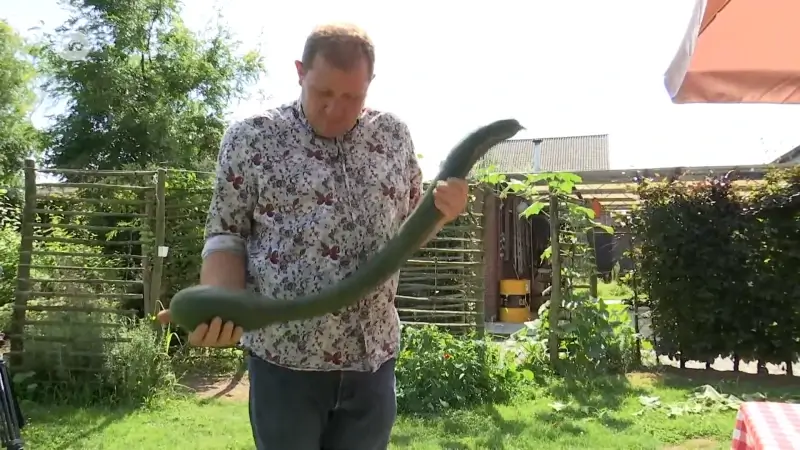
{"x": 110, "y": 378}
{"x": 97, "y": 240}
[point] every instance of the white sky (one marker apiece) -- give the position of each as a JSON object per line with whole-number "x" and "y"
{"x": 560, "y": 68}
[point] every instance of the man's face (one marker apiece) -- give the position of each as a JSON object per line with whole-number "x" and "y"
{"x": 333, "y": 98}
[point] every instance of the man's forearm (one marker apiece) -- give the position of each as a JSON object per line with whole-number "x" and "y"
{"x": 224, "y": 269}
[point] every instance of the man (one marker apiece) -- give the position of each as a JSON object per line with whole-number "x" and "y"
{"x": 305, "y": 195}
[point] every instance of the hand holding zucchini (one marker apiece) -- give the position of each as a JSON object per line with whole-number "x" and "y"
{"x": 200, "y": 304}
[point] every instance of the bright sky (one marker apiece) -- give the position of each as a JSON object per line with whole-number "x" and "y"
{"x": 560, "y": 68}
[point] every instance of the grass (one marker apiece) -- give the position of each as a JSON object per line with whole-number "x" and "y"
{"x": 609, "y": 291}
{"x": 560, "y": 416}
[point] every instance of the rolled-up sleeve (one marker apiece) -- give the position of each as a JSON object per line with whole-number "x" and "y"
{"x": 234, "y": 197}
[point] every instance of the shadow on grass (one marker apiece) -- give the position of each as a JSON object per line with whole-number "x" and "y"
{"x": 232, "y": 384}
{"x": 480, "y": 427}
{"x": 595, "y": 399}
{"x": 64, "y": 427}
{"x": 402, "y": 440}
{"x": 197, "y": 382}
{"x": 771, "y": 387}
{"x": 497, "y": 426}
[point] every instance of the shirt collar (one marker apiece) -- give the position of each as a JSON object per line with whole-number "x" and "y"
{"x": 297, "y": 107}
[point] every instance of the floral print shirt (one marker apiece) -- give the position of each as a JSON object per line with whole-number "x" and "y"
{"x": 306, "y": 212}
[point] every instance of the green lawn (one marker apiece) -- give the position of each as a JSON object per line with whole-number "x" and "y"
{"x": 558, "y": 417}
{"x": 609, "y": 291}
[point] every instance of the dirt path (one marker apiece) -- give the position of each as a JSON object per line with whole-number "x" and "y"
{"x": 234, "y": 387}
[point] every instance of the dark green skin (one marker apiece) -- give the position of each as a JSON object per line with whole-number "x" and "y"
{"x": 199, "y": 304}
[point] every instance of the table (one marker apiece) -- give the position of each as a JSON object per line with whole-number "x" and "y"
{"x": 767, "y": 426}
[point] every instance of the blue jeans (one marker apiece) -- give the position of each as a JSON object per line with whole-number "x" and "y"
{"x": 305, "y": 410}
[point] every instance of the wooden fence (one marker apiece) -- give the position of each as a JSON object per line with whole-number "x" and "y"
{"x": 86, "y": 256}
{"x": 113, "y": 244}
{"x": 443, "y": 283}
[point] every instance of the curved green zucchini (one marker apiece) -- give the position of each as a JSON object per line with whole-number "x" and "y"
{"x": 199, "y": 304}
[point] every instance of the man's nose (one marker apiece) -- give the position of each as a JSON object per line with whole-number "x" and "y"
{"x": 333, "y": 107}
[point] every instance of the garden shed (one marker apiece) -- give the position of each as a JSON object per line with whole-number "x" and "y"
{"x": 513, "y": 245}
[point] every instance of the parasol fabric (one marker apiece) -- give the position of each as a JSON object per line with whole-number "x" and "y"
{"x": 738, "y": 51}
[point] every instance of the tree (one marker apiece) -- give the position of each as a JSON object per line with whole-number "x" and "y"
{"x": 18, "y": 137}
{"x": 149, "y": 91}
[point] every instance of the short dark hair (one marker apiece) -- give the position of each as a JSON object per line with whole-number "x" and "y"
{"x": 342, "y": 45}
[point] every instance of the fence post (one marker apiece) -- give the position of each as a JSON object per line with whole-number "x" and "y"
{"x": 635, "y": 305}
{"x": 489, "y": 238}
{"x": 24, "y": 267}
{"x": 147, "y": 254}
{"x": 478, "y": 198}
{"x": 555, "y": 268}
{"x": 160, "y": 232}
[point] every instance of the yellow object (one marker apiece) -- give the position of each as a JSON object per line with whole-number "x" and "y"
{"x": 515, "y": 287}
{"x": 515, "y": 315}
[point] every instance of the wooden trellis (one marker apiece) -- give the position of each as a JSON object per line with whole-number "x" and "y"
{"x": 85, "y": 264}
{"x": 443, "y": 283}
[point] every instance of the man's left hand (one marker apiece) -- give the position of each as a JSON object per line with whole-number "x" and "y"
{"x": 450, "y": 198}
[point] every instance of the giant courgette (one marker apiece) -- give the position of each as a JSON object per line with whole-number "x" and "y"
{"x": 199, "y": 304}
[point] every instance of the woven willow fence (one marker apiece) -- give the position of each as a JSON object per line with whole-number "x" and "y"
{"x": 84, "y": 268}
{"x": 111, "y": 245}
{"x": 443, "y": 283}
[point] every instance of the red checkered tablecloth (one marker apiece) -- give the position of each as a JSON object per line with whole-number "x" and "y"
{"x": 767, "y": 426}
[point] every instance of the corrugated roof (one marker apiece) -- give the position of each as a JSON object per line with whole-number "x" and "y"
{"x": 558, "y": 154}
{"x": 788, "y": 156}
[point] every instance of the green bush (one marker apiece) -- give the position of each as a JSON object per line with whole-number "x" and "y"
{"x": 9, "y": 257}
{"x": 100, "y": 365}
{"x": 437, "y": 370}
{"x": 9, "y": 246}
{"x": 83, "y": 357}
{"x": 140, "y": 368}
{"x": 719, "y": 267}
{"x": 595, "y": 341}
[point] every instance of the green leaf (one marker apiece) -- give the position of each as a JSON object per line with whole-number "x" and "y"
{"x": 588, "y": 212}
{"x": 517, "y": 186}
{"x": 533, "y": 209}
{"x": 569, "y": 177}
{"x": 606, "y": 228}
{"x": 558, "y": 406}
{"x": 535, "y": 178}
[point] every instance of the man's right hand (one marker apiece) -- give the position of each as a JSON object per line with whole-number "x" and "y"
{"x": 214, "y": 334}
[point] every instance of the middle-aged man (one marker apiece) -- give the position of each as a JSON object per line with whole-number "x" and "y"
{"x": 305, "y": 194}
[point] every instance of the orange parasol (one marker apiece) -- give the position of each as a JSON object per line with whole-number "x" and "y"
{"x": 738, "y": 51}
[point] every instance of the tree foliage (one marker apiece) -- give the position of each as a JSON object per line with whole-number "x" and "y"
{"x": 720, "y": 267}
{"x": 149, "y": 91}
{"x": 18, "y": 137}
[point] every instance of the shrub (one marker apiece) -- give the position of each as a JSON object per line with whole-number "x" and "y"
{"x": 9, "y": 245}
{"x": 437, "y": 370}
{"x": 595, "y": 341}
{"x": 93, "y": 368}
{"x": 140, "y": 368}
{"x": 9, "y": 257}
{"x": 719, "y": 266}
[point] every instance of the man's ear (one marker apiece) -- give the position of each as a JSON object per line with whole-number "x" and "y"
{"x": 301, "y": 72}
